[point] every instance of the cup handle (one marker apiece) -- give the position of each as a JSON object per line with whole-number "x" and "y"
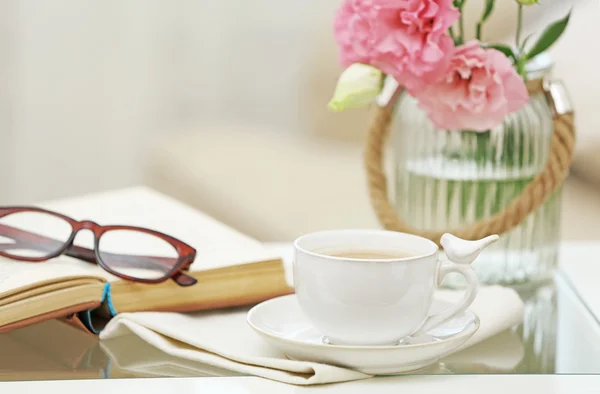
{"x": 461, "y": 253}
{"x": 467, "y": 271}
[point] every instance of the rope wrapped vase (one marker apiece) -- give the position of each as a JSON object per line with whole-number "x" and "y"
{"x": 533, "y": 195}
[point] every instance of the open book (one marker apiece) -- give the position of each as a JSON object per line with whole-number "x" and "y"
{"x": 231, "y": 268}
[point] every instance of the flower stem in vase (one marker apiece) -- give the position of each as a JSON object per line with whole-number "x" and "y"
{"x": 461, "y": 23}
{"x": 519, "y": 25}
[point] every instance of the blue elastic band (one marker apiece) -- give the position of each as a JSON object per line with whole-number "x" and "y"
{"x": 106, "y": 297}
{"x": 86, "y": 316}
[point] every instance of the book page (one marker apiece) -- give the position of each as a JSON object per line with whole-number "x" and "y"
{"x": 17, "y": 276}
{"x": 37, "y": 235}
{"x": 217, "y": 245}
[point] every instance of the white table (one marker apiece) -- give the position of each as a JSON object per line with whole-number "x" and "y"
{"x": 547, "y": 384}
{"x": 576, "y": 336}
{"x": 542, "y": 346}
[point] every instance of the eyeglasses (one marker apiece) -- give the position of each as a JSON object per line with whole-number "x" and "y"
{"x": 131, "y": 253}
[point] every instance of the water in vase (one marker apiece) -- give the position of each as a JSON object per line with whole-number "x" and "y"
{"x": 440, "y": 193}
{"x": 449, "y": 179}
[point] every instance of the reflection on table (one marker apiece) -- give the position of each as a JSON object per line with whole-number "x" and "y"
{"x": 50, "y": 350}
{"x": 538, "y": 330}
{"x": 54, "y": 350}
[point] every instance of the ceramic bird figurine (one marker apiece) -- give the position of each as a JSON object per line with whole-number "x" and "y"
{"x": 461, "y": 251}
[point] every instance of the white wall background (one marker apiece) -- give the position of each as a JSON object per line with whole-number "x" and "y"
{"x": 87, "y": 85}
{"x": 6, "y": 99}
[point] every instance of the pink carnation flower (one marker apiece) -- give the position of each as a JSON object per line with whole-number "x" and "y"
{"x": 407, "y": 39}
{"x": 481, "y": 87}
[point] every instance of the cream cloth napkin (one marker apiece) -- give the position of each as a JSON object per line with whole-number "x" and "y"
{"x": 212, "y": 342}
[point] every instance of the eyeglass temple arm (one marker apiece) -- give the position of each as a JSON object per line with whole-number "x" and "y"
{"x": 24, "y": 238}
{"x": 89, "y": 255}
{"x": 47, "y": 244}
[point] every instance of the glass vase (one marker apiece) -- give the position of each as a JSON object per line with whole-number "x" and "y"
{"x": 450, "y": 179}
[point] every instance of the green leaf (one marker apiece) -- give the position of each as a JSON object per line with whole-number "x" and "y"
{"x": 487, "y": 11}
{"x": 549, "y": 36}
{"x": 505, "y": 49}
{"x": 524, "y": 44}
{"x": 522, "y": 67}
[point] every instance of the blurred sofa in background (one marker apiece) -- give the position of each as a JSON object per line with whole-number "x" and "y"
{"x": 276, "y": 185}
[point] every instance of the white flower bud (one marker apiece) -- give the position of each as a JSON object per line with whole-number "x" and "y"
{"x": 358, "y": 86}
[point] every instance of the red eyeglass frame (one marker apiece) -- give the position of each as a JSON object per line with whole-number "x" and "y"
{"x": 186, "y": 253}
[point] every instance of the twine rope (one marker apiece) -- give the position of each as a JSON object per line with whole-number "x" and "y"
{"x": 532, "y": 196}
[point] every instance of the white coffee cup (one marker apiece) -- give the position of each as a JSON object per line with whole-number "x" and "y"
{"x": 354, "y": 301}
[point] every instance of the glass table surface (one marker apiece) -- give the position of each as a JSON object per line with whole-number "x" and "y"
{"x": 55, "y": 350}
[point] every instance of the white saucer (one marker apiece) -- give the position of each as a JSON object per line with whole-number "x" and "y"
{"x": 281, "y": 322}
